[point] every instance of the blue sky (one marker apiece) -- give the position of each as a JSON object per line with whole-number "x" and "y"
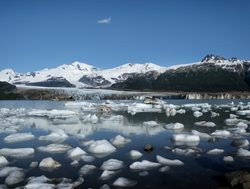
{"x": 105, "y": 33}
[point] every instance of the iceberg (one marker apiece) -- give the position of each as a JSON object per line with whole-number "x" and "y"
{"x": 49, "y": 163}
{"x": 112, "y": 165}
{"x": 185, "y": 139}
{"x": 54, "y": 148}
{"x": 3, "y": 161}
{"x": 143, "y": 165}
{"x": 124, "y": 182}
{"x": 134, "y": 154}
{"x": 18, "y": 137}
{"x": 15, "y": 177}
{"x": 169, "y": 162}
{"x": 215, "y": 151}
{"x": 174, "y": 126}
{"x": 17, "y": 152}
{"x": 119, "y": 141}
{"x": 101, "y": 147}
{"x": 87, "y": 169}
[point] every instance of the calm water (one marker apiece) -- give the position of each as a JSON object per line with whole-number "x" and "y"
{"x": 199, "y": 171}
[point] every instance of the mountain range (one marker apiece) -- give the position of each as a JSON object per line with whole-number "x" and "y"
{"x": 212, "y": 73}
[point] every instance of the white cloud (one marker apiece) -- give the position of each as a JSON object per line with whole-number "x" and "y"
{"x": 104, "y": 21}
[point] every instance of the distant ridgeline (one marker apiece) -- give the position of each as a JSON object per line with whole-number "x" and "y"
{"x": 7, "y": 92}
{"x": 212, "y": 74}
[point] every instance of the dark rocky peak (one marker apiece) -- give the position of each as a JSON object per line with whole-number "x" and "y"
{"x": 212, "y": 58}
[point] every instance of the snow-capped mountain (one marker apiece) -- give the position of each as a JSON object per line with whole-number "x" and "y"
{"x": 77, "y": 74}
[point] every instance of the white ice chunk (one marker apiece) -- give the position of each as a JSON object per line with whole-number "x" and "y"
{"x": 228, "y": 159}
{"x": 3, "y": 161}
{"x": 150, "y": 123}
{"x": 87, "y": 169}
{"x": 134, "y": 154}
{"x": 4, "y": 172}
{"x": 112, "y": 165}
{"x": 87, "y": 158}
{"x": 19, "y": 137}
{"x": 143, "y": 165}
{"x": 243, "y": 152}
{"x": 183, "y": 151}
{"x": 52, "y": 113}
{"x": 56, "y": 136}
{"x": 106, "y": 174}
{"x": 186, "y": 139}
{"x": 124, "y": 182}
{"x": 242, "y": 125}
{"x": 120, "y": 141}
{"x": 17, "y": 152}
{"x": 174, "y": 126}
{"x": 39, "y": 186}
{"x": 205, "y": 124}
{"x": 201, "y": 135}
{"x": 197, "y": 114}
{"x": 76, "y": 153}
{"x": 49, "y": 163}
{"x": 240, "y": 143}
{"x": 54, "y": 148}
{"x": 101, "y": 147}
{"x": 221, "y": 133}
{"x": 243, "y": 112}
{"x": 215, "y": 151}
{"x": 169, "y": 162}
{"x": 15, "y": 177}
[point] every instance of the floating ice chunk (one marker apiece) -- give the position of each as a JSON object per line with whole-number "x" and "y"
{"x": 101, "y": 147}
{"x": 205, "y": 124}
{"x": 49, "y": 163}
{"x": 174, "y": 126}
{"x": 87, "y": 169}
{"x": 240, "y": 143}
{"x": 150, "y": 123}
{"x": 17, "y": 152}
{"x": 143, "y": 165}
{"x": 19, "y": 137}
{"x": 90, "y": 118}
{"x": 143, "y": 173}
{"x": 233, "y": 116}
{"x": 243, "y": 112}
{"x": 134, "y": 154}
{"x": 39, "y": 186}
{"x": 76, "y": 153}
{"x": 87, "y": 158}
{"x": 115, "y": 118}
{"x": 221, "y": 133}
{"x": 234, "y": 109}
{"x": 15, "y": 177}
{"x": 52, "y": 113}
{"x": 183, "y": 151}
{"x": 181, "y": 111}
{"x": 243, "y": 153}
{"x": 141, "y": 107}
{"x": 228, "y": 159}
{"x": 4, "y": 172}
{"x": 164, "y": 169}
{"x": 197, "y": 114}
{"x": 120, "y": 141}
{"x": 74, "y": 163}
{"x": 124, "y": 182}
{"x": 3, "y": 161}
{"x": 215, "y": 151}
{"x": 112, "y": 165}
{"x": 242, "y": 125}
{"x": 106, "y": 174}
{"x": 33, "y": 164}
{"x": 54, "y": 148}
{"x": 201, "y": 135}
{"x": 185, "y": 139}
{"x": 232, "y": 121}
{"x": 169, "y": 162}
{"x": 214, "y": 114}
{"x": 39, "y": 179}
{"x": 56, "y": 136}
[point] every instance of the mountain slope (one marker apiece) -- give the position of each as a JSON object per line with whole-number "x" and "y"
{"x": 213, "y": 73}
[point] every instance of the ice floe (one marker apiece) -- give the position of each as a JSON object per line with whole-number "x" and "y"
{"x": 15, "y": 177}
{"x": 106, "y": 174}
{"x": 87, "y": 169}
{"x": 49, "y": 163}
{"x": 18, "y": 137}
{"x": 56, "y": 136}
{"x": 205, "y": 124}
{"x": 101, "y": 147}
{"x": 76, "y": 153}
{"x": 186, "y": 152}
{"x": 221, "y": 133}
{"x": 134, "y": 154}
{"x": 240, "y": 143}
{"x": 4, "y": 172}
{"x": 174, "y": 126}
{"x": 17, "y": 152}
{"x": 54, "y": 148}
{"x": 228, "y": 159}
{"x": 112, "y": 165}
{"x": 52, "y": 113}
{"x": 243, "y": 152}
{"x": 215, "y": 151}
{"x": 197, "y": 114}
{"x": 119, "y": 141}
{"x": 87, "y": 158}
{"x": 169, "y": 162}
{"x": 143, "y": 165}
{"x": 186, "y": 139}
{"x": 124, "y": 182}
{"x": 3, "y": 161}
{"x": 201, "y": 135}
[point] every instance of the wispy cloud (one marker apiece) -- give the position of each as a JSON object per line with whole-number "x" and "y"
{"x": 104, "y": 21}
